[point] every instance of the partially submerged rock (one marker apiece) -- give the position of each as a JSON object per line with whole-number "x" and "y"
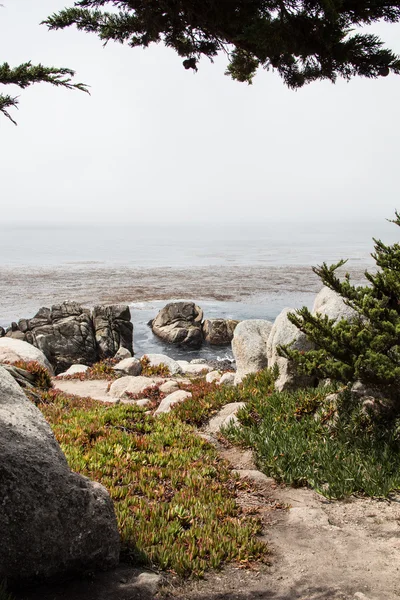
{"x": 249, "y": 346}
{"x": 179, "y": 323}
{"x": 52, "y": 521}
{"x": 219, "y": 332}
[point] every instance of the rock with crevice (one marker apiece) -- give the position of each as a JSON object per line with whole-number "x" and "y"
{"x": 179, "y": 323}
{"x": 52, "y": 521}
{"x": 219, "y": 332}
{"x": 129, "y": 366}
{"x": 113, "y": 329}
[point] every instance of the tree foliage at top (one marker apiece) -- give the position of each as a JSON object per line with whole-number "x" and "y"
{"x": 304, "y": 40}
{"x": 27, "y": 74}
{"x": 366, "y": 347}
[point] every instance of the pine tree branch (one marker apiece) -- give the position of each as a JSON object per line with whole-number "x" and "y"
{"x": 27, "y": 74}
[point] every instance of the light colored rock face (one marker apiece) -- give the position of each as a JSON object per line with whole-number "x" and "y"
{"x": 284, "y": 332}
{"x": 179, "y": 323}
{"x": 51, "y": 520}
{"x": 328, "y": 302}
{"x": 132, "y": 385}
{"x": 73, "y": 370}
{"x": 249, "y": 346}
{"x": 168, "y": 387}
{"x": 196, "y": 370}
{"x": 129, "y": 366}
{"x": 219, "y": 332}
{"x": 12, "y": 350}
{"x": 172, "y": 399}
{"x": 113, "y": 329}
{"x": 225, "y": 417}
{"x": 122, "y": 353}
{"x": 158, "y": 359}
{"x": 213, "y": 376}
{"x": 198, "y": 361}
{"x": 227, "y": 379}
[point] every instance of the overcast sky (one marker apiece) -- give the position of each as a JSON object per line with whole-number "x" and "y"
{"x": 157, "y": 143}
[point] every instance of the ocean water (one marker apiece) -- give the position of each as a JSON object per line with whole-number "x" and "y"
{"x": 231, "y": 270}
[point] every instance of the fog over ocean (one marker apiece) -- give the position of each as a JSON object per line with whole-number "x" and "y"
{"x": 231, "y": 270}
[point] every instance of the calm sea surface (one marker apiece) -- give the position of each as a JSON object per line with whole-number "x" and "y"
{"x": 238, "y": 271}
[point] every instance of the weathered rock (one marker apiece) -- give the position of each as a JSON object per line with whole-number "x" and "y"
{"x": 122, "y": 353}
{"x": 197, "y": 361}
{"x": 179, "y": 323}
{"x": 174, "y": 398}
{"x": 213, "y": 376}
{"x": 169, "y": 386}
{"x": 329, "y": 303}
{"x": 155, "y": 360}
{"x": 219, "y": 332}
{"x": 51, "y": 520}
{"x": 129, "y": 366}
{"x": 14, "y": 332}
{"x": 113, "y": 329}
{"x": 12, "y": 351}
{"x": 195, "y": 370}
{"x": 226, "y": 416}
{"x": 64, "y": 333}
{"x": 132, "y": 385}
{"x": 73, "y": 370}
{"x": 2, "y": 332}
{"x": 227, "y": 379}
{"x": 249, "y": 346}
{"x": 284, "y": 333}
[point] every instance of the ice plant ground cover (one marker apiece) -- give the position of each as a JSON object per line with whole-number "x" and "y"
{"x": 174, "y": 497}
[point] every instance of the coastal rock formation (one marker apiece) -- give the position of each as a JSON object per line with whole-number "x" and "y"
{"x": 12, "y": 351}
{"x": 113, "y": 329}
{"x": 219, "y": 332}
{"x": 283, "y": 333}
{"x": 249, "y": 346}
{"x": 329, "y": 303}
{"x": 2, "y": 332}
{"x": 51, "y": 520}
{"x": 64, "y": 333}
{"x": 69, "y": 334}
{"x": 120, "y": 388}
{"x": 179, "y": 323}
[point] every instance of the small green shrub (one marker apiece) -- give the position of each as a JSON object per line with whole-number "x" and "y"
{"x": 149, "y": 370}
{"x": 40, "y": 373}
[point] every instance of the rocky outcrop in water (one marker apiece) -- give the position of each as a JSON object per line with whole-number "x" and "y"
{"x": 179, "y": 323}
{"x": 52, "y": 521}
{"x": 219, "y": 332}
{"x": 70, "y": 334}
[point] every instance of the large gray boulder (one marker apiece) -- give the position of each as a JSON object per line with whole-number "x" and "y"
{"x": 64, "y": 333}
{"x": 219, "y": 332}
{"x": 113, "y": 329}
{"x": 12, "y": 351}
{"x": 179, "y": 323}
{"x": 249, "y": 347}
{"x": 329, "y": 303}
{"x": 284, "y": 333}
{"x": 52, "y": 521}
